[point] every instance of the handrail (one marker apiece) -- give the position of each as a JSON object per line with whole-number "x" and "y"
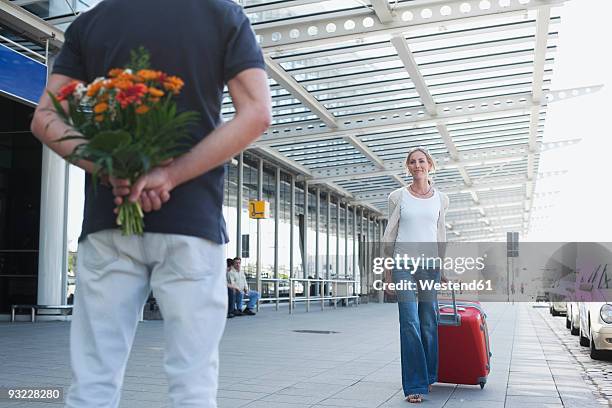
{"x": 308, "y": 298}
{"x": 292, "y": 298}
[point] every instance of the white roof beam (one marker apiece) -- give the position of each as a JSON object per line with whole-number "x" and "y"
{"x": 449, "y": 34}
{"x": 499, "y": 184}
{"x": 289, "y": 83}
{"x": 400, "y": 180}
{"x": 382, "y": 10}
{"x": 257, "y": 8}
{"x": 281, "y": 76}
{"x": 478, "y": 108}
{"x": 407, "y": 58}
{"x": 335, "y": 27}
{"x": 542, "y": 23}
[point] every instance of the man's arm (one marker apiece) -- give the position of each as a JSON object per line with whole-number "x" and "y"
{"x": 251, "y": 98}
{"x": 48, "y": 127}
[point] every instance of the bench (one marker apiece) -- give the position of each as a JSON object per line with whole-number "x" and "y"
{"x": 33, "y": 308}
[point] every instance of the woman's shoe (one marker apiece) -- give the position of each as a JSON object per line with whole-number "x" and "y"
{"x": 414, "y": 398}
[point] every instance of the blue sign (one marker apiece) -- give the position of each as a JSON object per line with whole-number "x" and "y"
{"x": 21, "y": 77}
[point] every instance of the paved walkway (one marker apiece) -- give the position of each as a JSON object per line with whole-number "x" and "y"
{"x": 265, "y": 363}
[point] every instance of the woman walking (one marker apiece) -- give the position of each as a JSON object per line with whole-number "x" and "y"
{"x": 417, "y": 228}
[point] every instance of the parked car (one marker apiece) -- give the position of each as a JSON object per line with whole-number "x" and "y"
{"x": 557, "y": 308}
{"x": 595, "y": 316}
{"x": 572, "y": 320}
{"x": 596, "y": 328}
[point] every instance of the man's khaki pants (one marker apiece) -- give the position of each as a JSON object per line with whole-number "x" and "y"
{"x": 114, "y": 276}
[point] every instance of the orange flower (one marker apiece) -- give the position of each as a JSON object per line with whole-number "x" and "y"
{"x": 99, "y": 118}
{"x": 173, "y": 84}
{"x": 101, "y": 107}
{"x": 115, "y": 72}
{"x": 125, "y": 76}
{"x": 142, "y": 109}
{"x": 132, "y": 94}
{"x": 67, "y": 90}
{"x": 94, "y": 88}
{"x": 148, "y": 74}
{"x": 122, "y": 84}
{"x": 156, "y": 93}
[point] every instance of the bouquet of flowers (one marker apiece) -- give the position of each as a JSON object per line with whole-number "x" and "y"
{"x": 130, "y": 124}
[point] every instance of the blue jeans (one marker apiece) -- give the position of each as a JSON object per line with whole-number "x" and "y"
{"x": 418, "y": 330}
{"x": 253, "y": 298}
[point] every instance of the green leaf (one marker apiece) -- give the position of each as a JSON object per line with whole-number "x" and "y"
{"x": 108, "y": 141}
{"x": 139, "y": 59}
{"x": 58, "y": 108}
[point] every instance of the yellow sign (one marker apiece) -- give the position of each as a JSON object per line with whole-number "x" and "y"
{"x": 259, "y": 209}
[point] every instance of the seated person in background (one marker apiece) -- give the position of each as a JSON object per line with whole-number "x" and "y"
{"x": 238, "y": 280}
{"x": 231, "y": 291}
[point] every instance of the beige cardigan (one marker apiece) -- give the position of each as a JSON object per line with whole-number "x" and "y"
{"x": 390, "y": 234}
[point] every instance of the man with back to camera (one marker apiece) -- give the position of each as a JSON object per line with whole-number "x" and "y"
{"x": 212, "y": 46}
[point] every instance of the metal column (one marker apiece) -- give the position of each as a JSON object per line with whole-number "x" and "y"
{"x": 368, "y": 258}
{"x": 239, "y": 206}
{"x": 52, "y": 262}
{"x": 260, "y": 173}
{"x": 354, "y": 277}
{"x": 317, "y": 222}
{"x": 327, "y": 247}
{"x": 276, "y": 233}
{"x": 338, "y": 238}
{"x": 305, "y": 232}
{"x": 346, "y": 237}
{"x": 381, "y": 293}
{"x": 362, "y": 252}
{"x": 305, "y": 240}
{"x": 291, "y": 243}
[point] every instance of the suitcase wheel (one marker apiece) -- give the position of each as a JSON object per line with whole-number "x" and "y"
{"x": 482, "y": 385}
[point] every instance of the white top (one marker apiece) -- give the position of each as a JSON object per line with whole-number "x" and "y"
{"x": 418, "y": 223}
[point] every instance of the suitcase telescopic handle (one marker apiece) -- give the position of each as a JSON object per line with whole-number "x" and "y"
{"x": 456, "y": 321}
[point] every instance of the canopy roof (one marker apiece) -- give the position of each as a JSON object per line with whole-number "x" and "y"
{"x": 356, "y": 83}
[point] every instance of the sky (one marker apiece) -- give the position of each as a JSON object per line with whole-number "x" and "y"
{"x": 579, "y": 211}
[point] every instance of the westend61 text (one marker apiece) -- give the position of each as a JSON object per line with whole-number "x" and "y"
{"x": 475, "y": 285}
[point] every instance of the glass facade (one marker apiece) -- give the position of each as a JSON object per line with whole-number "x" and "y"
{"x": 328, "y": 231}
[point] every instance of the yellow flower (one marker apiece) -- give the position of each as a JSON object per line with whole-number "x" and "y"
{"x": 156, "y": 93}
{"x": 101, "y": 107}
{"x": 142, "y": 109}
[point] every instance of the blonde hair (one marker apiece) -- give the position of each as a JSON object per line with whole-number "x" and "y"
{"x": 428, "y": 156}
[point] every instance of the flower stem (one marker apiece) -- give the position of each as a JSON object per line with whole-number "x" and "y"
{"x": 130, "y": 218}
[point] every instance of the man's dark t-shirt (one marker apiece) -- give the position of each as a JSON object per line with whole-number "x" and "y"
{"x": 204, "y": 42}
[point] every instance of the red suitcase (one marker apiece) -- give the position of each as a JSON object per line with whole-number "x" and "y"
{"x": 463, "y": 340}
